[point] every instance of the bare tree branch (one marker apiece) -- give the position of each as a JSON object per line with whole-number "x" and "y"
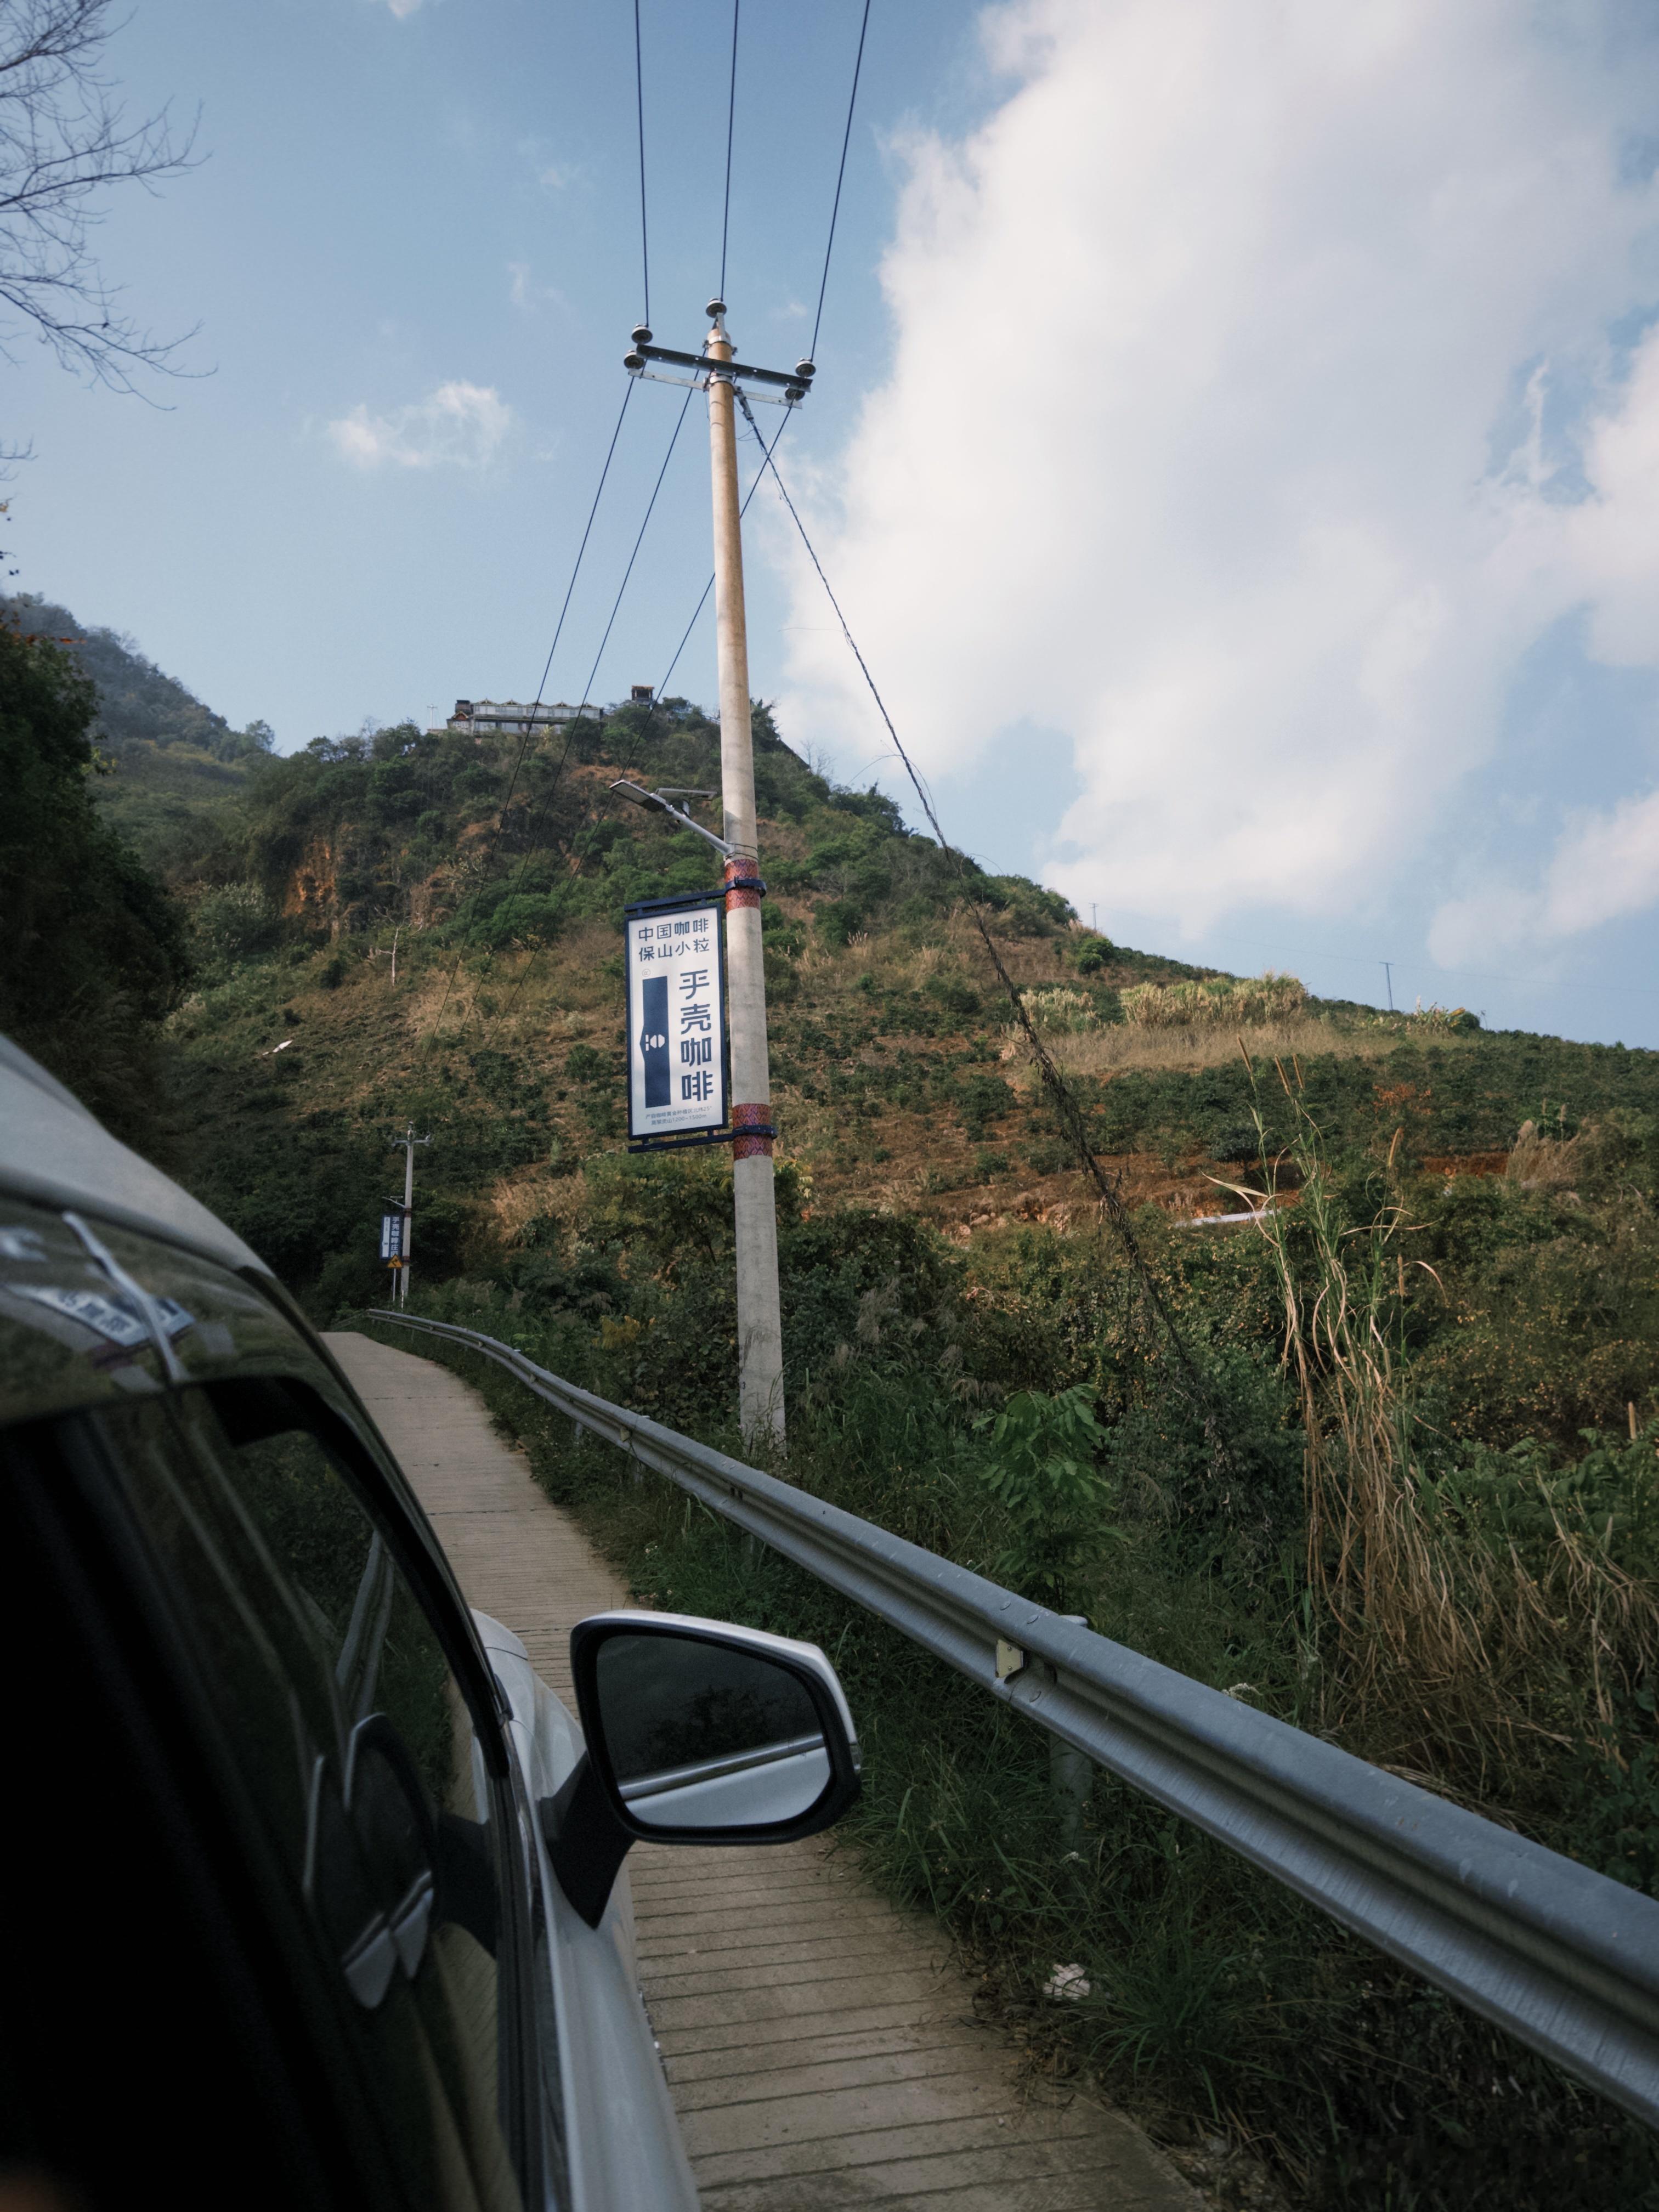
{"x": 64, "y": 142}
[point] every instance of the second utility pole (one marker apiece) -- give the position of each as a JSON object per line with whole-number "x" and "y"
{"x": 760, "y": 1327}
{"x": 408, "y": 1140}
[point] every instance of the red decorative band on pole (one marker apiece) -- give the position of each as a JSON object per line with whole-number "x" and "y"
{"x": 753, "y": 1132}
{"x": 742, "y": 888}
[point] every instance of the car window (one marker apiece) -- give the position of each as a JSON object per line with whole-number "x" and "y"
{"x": 71, "y": 1334}
{"x": 356, "y": 1744}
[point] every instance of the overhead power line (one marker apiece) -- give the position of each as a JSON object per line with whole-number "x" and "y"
{"x": 541, "y": 689}
{"x": 541, "y": 814}
{"x": 588, "y": 532}
{"x": 680, "y": 421}
{"x": 845, "y": 141}
{"x": 639, "y": 105}
{"x": 730, "y": 119}
{"x": 765, "y": 451}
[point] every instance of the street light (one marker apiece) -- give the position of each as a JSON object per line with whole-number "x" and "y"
{"x": 658, "y": 802}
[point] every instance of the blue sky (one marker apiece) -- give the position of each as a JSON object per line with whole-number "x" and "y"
{"x": 1238, "y": 448}
{"x": 392, "y": 205}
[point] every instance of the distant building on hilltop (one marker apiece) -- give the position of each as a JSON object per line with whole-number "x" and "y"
{"x": 512, "y": 717}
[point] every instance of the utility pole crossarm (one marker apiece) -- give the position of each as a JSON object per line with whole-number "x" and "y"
{"x": 796, "y": 382}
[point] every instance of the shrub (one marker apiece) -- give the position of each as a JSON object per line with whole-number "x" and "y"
{"x": 1042, "y": 1473}
{"x": 958, "y": 999}
{"x": 1058, "y": 1009}
{"x": 839, "y": 921}
{"x": 1248, "y": 1001}
{"x": 232, "y": 924}
{"x": 981, "y": 1100}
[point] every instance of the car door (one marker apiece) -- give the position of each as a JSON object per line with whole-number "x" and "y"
{"x": 336, "y": 1850}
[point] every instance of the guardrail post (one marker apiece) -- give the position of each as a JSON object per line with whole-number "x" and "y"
{"x": 1071, "y": 1775}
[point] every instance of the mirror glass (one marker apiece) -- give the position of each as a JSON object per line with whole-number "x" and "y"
{"x": 704, "y": 1736}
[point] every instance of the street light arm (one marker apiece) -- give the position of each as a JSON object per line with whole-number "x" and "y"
{"x": 655, "y": 800}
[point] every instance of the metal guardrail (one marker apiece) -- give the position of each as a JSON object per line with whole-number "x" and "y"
{"x": 1564, "y": 1958}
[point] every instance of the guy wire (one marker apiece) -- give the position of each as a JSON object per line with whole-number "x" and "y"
{"x": 1199, "y": 1395}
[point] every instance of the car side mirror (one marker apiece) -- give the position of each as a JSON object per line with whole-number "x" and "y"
{"x": 697, "y": 1733}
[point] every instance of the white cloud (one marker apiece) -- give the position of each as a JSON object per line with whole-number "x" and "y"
{"x": 401, "y": 8}
{"x": 526, "y": 291}
{"x": 1605, "y": 868}
{"x": 553, "y": 176}
{"x": 1195, "y": 447}
{"x": 459, "y": 425}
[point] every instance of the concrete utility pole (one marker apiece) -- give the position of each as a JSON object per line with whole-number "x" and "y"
{"x": 408, "y": 1140}
{"x": 760, "y": 1327}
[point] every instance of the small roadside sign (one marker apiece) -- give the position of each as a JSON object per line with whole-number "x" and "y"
{"x": 391, "y": 1236}
{"x": 677, "y": 1070}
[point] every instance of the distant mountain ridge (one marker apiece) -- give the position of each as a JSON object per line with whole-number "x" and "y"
{"x": 138, "y": 702}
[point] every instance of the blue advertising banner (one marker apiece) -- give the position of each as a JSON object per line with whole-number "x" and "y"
{"x": 677, "y": 1076}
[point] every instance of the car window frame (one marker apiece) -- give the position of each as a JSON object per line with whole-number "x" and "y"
{"x": 292, "y": 1364}
{"x": 269, "y": 1405}
{"x": 152, "y": 1666}
{"x": 285, "y": 1402}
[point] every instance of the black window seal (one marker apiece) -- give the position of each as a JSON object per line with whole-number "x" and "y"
{"x": 253, "y": 1405}
{"x": 147, "y": 1658}
{"x": 250, "y": 1408}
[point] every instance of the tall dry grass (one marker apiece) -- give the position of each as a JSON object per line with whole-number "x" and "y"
{"x": 1369, "y": 1552}
{"x": 1447, "y": 1641}
{"x": 1227, "y": 1002}
{"x": 1539, "y": 1162}
{"x": 535, "y": 1194}
{"x": 1107, "y": 1047}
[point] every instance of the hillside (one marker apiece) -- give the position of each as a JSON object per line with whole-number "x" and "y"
{"x": 503, "y": 1028}
{"x": 170, "y": 761}
{"x": 896, "y": 1082}
{"x": 1430, "y": 1528}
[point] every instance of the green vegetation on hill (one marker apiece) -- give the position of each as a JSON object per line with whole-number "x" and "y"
{"x": 169, "y": 763}
{"x": 94, "y": 948}
{"x": 1437, "y": 1363}
{"x": 451, "y": 833}
{"x": 138, "y": 704}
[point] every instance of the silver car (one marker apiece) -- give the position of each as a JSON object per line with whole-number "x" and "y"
{"x": 316, "y": 1894}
